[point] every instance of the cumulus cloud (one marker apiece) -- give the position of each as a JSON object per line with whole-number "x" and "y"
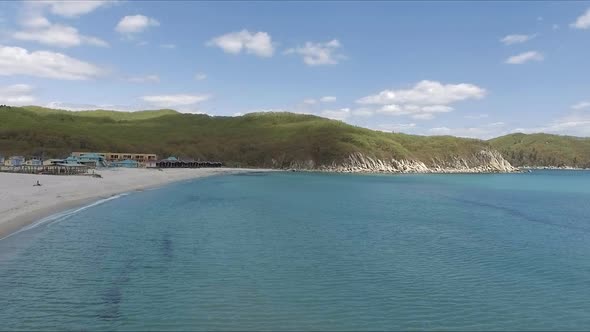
{"x": 426, "y": 93}
{"x": 340, "y": 114}
{"x": 71, "y": 8}
{"x": 583, "y": 21}
{"x": 58, "y": 35}
{"x": 316, "y": 54}
{"x": 581, "y": 105}
{"x": 328, "y": 99}
{"x": 133, "y": 24}
{"x": 144, "y": 79}
{"x": 90, "y": 107}
{"x": 324, "y": 99}
{"x": 16, "y": 94}
{"x": 423, "y": 100}
{"x": 19, "y": 61}
{"x": 415, "y": 111}
{"x": 174, "y": 100}
{"x": 36, "y": 27}
{"x": 516, "y": 39}
{"x": 525, "y": 57}
{"x": 257, "y": 43}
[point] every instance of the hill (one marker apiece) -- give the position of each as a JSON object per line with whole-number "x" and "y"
{"x": 544, "y": 150}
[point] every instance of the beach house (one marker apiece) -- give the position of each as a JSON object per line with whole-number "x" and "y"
{"x": 34, "y": 162}
{"x": 89, "y": 159}
{"x": 15, "y": 161}
{"x": 143, "y": 159}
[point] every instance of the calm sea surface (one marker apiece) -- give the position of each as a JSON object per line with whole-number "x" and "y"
{"x": 290, "y": 251}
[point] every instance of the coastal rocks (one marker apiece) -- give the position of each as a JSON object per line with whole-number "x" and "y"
{"x": 484, "y": 161}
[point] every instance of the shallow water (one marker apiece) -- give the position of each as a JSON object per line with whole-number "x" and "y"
{"x": 291, "y": 251}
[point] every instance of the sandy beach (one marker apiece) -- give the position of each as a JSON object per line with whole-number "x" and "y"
{"x": 22, "y": 203}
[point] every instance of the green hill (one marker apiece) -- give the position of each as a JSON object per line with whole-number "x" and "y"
{"x": 257, "y": 139}
{"x": 544, "y": 150}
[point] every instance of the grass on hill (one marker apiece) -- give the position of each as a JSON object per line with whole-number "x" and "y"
{"x": 544, "y": 150}
{"x": 256, "y": 139}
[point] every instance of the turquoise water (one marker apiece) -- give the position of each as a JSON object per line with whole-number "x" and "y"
{"x": 290, "y": 251}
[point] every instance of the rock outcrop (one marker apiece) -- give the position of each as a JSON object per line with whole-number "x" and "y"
{"x": 485, "y": 161}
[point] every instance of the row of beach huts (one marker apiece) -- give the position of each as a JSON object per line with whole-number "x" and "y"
{"x": 81, "y": 162}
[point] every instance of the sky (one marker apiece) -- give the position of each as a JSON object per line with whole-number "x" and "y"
{"x": 471, "y": 69}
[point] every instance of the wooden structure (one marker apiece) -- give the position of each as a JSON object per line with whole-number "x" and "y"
{"x": 60, "y": 169}
{"x": 176, "y": 163}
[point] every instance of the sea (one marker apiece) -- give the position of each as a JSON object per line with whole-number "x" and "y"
{"x": 311, "y": 251}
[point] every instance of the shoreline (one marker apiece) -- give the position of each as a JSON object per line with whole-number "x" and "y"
{"x": 22, "y": 204}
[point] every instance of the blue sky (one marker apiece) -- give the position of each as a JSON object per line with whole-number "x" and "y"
{"x": 475, "y": 69}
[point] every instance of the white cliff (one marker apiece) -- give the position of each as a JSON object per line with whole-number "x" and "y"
{"x": 485, "y": 161}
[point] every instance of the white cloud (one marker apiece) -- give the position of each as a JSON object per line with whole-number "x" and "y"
{"x": 70, "y": 8}
{"x": 90, "y": 107}
{"x": 424, "y": 100}
{"x": 174, "y": 100}
{"x": 257, "y": 43}
{"x": 34, "y": 20}
{"x": 328, "y": 99}
{"x": 17, "y": 94}
{"x": 57, "y": 35}
{"x": 426, "y": 93}
{"x": 144, "y": 79}
{"x": 324, "y": 99}
{"x": 133, "y": 24}
{"x": 363, "y": 112}
{"x": 37, "y": 28}
{"x": 581, "y": 105}
{"x": 415, "y": 111}
{"x": 315, "y": 54}
{"x": 423, "y": 116}
{"x": 516, "y": 39}
{"x": 19, "y": 61}
{"x": 168, "y": 46}
{"x": 200, "y": 76}
{"x": 340, "y": 114}
{"x": 525, "y": 57}
{"x": 582, "y": 22}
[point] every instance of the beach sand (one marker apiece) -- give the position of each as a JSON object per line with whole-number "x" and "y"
{"x": 21, "y": 203}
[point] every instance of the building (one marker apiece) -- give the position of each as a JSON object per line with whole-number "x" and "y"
{"x": 143, "y": 159}
{"x": 89, "y": 159}
{"x": 127, "y": 163}
{"x": 15, "y": 161}
{"x": 34, "y": 162}
{"x": 1, "y": 159}
{"x": 49, "y": 162}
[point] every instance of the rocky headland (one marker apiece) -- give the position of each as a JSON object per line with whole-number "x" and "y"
{"x": 485, "y": 161}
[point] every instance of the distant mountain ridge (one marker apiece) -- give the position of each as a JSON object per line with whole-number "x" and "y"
{"x": 277, "y": 140}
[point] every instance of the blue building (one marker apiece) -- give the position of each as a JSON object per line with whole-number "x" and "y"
{"x": 15, "y": 161}
{"x": 87, "y": 159}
